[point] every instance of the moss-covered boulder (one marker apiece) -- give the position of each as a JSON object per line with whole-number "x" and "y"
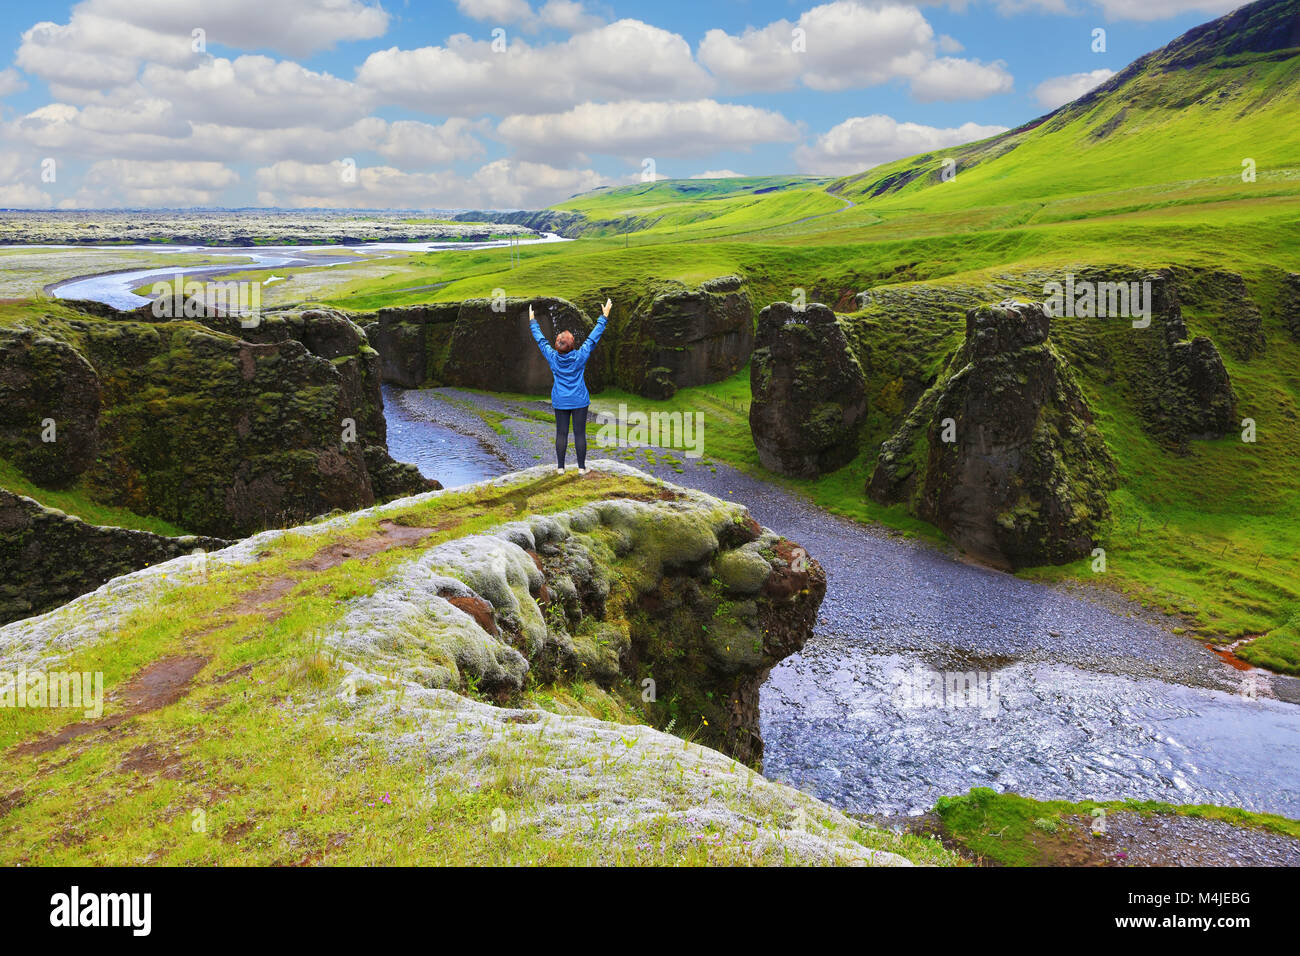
{"x": 49, "y": 407}
{"x": 1186, "y": 393}
{"x": 1001, "y": 453}
{"x": 678, "y": 337}
{"x": 47, "y": 558}
{"x": 809, "y": 392}
{"x": 215, "y": 427}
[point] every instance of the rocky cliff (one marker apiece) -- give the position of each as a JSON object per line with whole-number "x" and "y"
{"x": 671, "y": 337}
{"x": 461, "y": 675}
{"x": 219, "y": 429}
{"x": 1001, "y": 453}
{"x": 809, "y": 396}
{"x": 47, "y": 558}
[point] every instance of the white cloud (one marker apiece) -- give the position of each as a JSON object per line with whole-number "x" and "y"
{"x": 1059, "y": 90}
{"x": 258, "y": 92}
{"x": 411, "y": 143}
{"x": 496, "y": 11}
{"x": 11, "y": 81}
{"x": 718, "y": 174}
{"x": 633, "y": 130}
{"x": 865, "y": 141}
{"x": 848, "y": 44}
{"x": 499, "y": 184}
{"x": 155, "y": 183}
{"x": 19, "y": 174}
{"x": 952, "y": 79}
{"x": 569, "y": 15}
{"x": 105, "y": 42}
{"x": 626, "y": 59}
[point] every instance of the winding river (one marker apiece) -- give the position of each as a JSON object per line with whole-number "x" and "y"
{"x": 1062, "y": 694}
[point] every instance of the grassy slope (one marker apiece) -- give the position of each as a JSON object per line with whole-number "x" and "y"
{"x": 1011, "y": 830}
{"x": 266, "y": 701}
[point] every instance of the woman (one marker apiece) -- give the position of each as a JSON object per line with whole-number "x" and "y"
{"x": 569, "y": 396}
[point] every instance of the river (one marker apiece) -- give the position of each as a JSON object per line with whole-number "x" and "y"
{"x": 115, "y": 288}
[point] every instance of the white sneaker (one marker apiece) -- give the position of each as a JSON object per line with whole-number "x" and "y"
{"x": 582, "y": 471}
{"x": 559, "y": 470}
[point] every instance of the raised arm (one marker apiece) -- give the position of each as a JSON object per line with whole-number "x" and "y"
{"x": 596, "y": 333}
{"x": 538, "y": 337}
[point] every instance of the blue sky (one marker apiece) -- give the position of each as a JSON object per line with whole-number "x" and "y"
{"x": 410, "y": 105}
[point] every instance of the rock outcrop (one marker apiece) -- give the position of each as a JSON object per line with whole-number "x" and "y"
{"x": 220, "y": 429}
{"x": 681, "y": 591}
{"x": 1185, "y": 392}
{"x": 678, "y": 337}
{"x": 809, "y": 393}
{"x": 1291, "y": 304}
{"x": 1001, "y": 453}
{"x": 673, "y": 337}
{"x": 47, "y": 558}
{"x": 400, "y": 699}
{"x": 477, "y": 343}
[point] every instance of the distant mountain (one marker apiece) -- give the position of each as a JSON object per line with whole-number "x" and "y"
{"x": 1223, "y": 92}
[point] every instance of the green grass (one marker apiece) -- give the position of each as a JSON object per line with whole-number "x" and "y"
{"x": 1011, "y": 830}
{"x": 77, "y": 501}
{"x": 261, "y": 764}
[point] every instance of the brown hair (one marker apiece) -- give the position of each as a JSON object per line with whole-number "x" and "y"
{"x": 564, "y": 341}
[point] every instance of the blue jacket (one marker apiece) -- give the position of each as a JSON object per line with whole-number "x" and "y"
{"x": 569, "y": 390}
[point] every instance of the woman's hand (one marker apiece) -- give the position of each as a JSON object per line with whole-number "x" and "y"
{"x": 530, "y": 314}
{"x": 609, "y": 304}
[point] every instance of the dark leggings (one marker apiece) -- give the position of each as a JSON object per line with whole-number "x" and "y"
{"x": 579, "y": 434}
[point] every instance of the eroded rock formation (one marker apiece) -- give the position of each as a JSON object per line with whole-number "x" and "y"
{"x": 47, "y": 558}
{"x": 678, "y": 337}
{"x": 809, "y": 393}
{"x": 1001, "y": 453}
{"x": 683, "y": 600}
{"x": 673, "y": 337}
{"x": 219, "y": 429}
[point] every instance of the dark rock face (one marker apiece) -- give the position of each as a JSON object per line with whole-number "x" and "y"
{"x": 49, "y": 408}
{"x": 1189, "y": 395}
{"x": 48, "y": 558}
{"x": 674, "y": 337}
{"x": 478, "y": 343}
{"x": 1291, "y": 304}
{"x": 492, "y": 347}
{"x": 220, "y": 429}
{"x": 809, "y": 393}
{"x": 1001, "y": 453}
{"x": 405, "y": 338}
{"x": 679, "y": 337}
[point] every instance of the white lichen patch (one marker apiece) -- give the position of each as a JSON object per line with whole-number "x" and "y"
{"x": 635, "y": 791}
